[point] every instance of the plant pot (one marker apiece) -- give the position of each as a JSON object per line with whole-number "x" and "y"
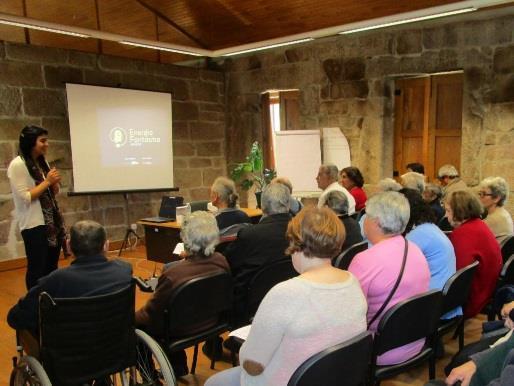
{"x": 258, "y": 199}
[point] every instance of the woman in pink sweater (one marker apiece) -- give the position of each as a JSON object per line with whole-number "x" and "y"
{"x": 378, "y": 268}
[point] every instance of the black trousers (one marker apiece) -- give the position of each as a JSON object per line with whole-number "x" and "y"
{"x": 41, "y": 258}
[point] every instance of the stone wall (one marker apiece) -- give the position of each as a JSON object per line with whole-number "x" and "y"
{"x": 32, "y": 92}
{"x": 348, "y": 81}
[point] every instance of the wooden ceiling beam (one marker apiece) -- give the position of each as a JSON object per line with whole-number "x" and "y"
{"x": 172, "y": 24}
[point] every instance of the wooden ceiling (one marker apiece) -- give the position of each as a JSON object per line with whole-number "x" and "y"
{"x": 209, "y": 24}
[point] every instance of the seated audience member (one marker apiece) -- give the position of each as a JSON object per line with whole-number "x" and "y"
{"x": 294, "y": 205}
{"x": 448, "y": 176}
{"x": 224, "y": 197}
{"x": 491, "y": 366}
{"x": 493, "y": 194}
{"x": 338, "y": 202}
{"x": 260, "y": 244}
{"x": 90, "y": 274}
{"x": 352, "y": 180}
{"x": 435, "y": 245}
{"x": 432, "y": 196}
{"x": 378, "y": 268}
{"x": 302, "y": 316}
{"x": 416, "y": 167}
{"x": 200, "y": 235}
{"x": 327, "y": 181}
{"x": 473, "y": 241}
{"x": 413, "y": 180}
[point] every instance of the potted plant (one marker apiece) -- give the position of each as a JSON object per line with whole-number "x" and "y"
{"x": 252, "y": 172}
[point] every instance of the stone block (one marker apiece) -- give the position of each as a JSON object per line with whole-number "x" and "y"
{"x": 503, "y": 88}
{"x": 180, "y": 131}
{"x": 199, "y": 194}
{"x": 58, "y": 128}
{"x": 73, "y": 203}
{"x": 40, "y": 102}
{"x": 207, "y": 130}
{"x": 182, "y": 72}
{"x": 334, "y": 107}
{"x": 183, "y": 149}
{"x": 2, "y": 51}
{"x": 354, "y": 69}
{"x": 6, "y": 208}
{"x": 10, "y": 101}
{"x": 211, "y": 116}
{"x": 177, "y": 87}
{"x": 98, "y": 216}
{"x": 475, "y": 78}
{"x": 57, "y": 77}
{"x": 5, "y": 227}
{"x": 209, "y": 175}
{"x": 185, "y": 179}
{"x": 10, "y": 127}
{"x": 208, "y": 149}
{"x": 20, "y": 74}
{"x": 215, "y": 107}
{"x": 383, "y": 65}
{"x": 115, "y": 63}
{"x": 294, "y": 55}
{"x": 106, "y": 200}
{"x": 179, "y": 163}
{"x": 200, "y": 162}
{"x": 5, "y": 188}
{"x": 212, "y": 76}
{"x": 440, "y": 37}
{"x": 116, "y": 233}
{"x": 503, "y": 61}
{"x": 30, "y": 53}
{"x": 219, "y": 163}
{"x": 7, "y": 153}
{"x": 101, "y": 78}
{"x": 184, "y": 111}
{"x": 409, "y": 42}
{"x": 72, "y": 217}
{"x": 333, "y": 69}
{"x": 59, "y": 155}
{"x": 82, "y": 59}
{"x": 115, "y": 216}
{"x": 246, "y": 63}
{"x": 355, "y": 89}
{"x": 270, "y": 59}
{"x": 204, "y": 91}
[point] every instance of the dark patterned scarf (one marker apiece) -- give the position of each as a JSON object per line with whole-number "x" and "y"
{"x": 53, "y": 219}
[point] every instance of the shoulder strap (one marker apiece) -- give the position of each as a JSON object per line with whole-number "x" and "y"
{"x": 391, "y": 294}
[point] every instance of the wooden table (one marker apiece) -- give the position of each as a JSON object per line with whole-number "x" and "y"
{"x": 161, "y": 238}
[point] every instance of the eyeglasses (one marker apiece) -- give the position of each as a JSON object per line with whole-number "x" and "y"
{"x": 483, "y": 194}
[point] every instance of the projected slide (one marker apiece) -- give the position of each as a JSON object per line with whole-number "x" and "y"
{"x": 121, "y": 139}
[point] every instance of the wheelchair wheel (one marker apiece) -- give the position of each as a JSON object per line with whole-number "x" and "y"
{"x": 28, "y": 372}
{"x": 153, "y": 367}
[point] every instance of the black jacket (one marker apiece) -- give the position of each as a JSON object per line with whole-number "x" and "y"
{"x": 86, "y": 276}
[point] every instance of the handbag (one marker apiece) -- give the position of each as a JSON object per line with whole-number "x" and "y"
{"x": 398, "y": 280}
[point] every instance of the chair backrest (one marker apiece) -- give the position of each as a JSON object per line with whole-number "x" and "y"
{"x": 407, "y": 321}
{"x": 265, "y": 279}
{"x": 230, "y": 232}
{"x": 344, "y": 364}
{"x": 87, "y": 338}
{"x": 456, "y": 289}
{"x": 344, "y": 259}
{"x": 507, "y": 247}
{"x": 507, "y": 273}
{"x": 198, "y": 205}
{"x": 199, "y": 303}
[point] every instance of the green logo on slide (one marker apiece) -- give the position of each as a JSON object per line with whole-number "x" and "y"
{"x": 118, "y": 136}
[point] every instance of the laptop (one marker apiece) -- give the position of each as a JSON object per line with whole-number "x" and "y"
{"x": 167, "y": 211}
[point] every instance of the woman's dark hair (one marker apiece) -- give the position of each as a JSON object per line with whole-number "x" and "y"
{"x": 416, "y": 167}
{"x": 420, "y": 211}
{"x": 28, "y": 139}
{"x": 355, "y": 175}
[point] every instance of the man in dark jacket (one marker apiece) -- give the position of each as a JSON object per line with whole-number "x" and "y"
{"x": 90, "y": 274}
{"x": 260, "y": 244}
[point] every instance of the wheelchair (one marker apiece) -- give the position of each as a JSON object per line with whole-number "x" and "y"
{"x": 91, "y": 341}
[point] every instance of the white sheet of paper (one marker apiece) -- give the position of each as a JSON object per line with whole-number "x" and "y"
{"x": 179, "y": 248}
{"x": 242, "y": 332}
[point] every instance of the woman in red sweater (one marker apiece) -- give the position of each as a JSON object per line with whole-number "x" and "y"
{"x": 352, "y": 180}
{"x": 473, "y": 241}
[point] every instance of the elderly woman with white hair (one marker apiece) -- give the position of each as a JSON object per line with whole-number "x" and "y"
{"x": 493, "y": 194}
{"x": 414, "y": 181}
{"x": 224, "y": 197}
{"x": 200, "y": 235}
{"x": 380, "y": 267}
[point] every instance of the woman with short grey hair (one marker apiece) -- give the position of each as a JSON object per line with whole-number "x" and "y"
{"x": 224, "y": 197}
{"x": 389, "y": 260}
{"x": 200, "y": 235}
{"x": 414, "y": 181}
{"x": 493, "y": 194}
{"x": 275, "y": 199}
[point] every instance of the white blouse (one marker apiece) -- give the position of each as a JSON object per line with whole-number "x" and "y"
{"x": 28, "y": 212}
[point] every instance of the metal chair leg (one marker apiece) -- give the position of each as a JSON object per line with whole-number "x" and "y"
{"x": 195, "y": 357}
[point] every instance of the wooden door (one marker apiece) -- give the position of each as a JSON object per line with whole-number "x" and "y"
{"x": 428, "y": 122}
{"x": 290, "y": 110}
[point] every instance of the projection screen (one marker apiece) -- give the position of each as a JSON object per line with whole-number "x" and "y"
{"x": 121, "y": 140}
